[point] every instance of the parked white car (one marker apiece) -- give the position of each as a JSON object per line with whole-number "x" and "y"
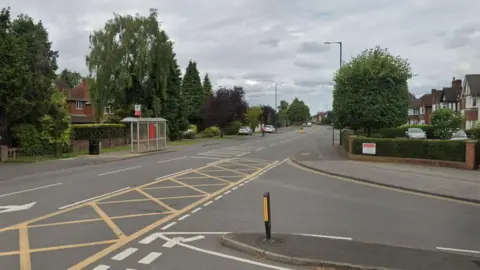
{"x": 245, "y": 130}
{"x": 415, "y": 133}
{"x": 269, "y": 129}
{"x": 309, "y": 124}
{"x": 459, "y": 136}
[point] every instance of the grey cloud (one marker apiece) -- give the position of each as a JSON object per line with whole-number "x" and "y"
{"x": 259, "y": 76}
{"x": 312, "y": 47}
{"x": 311, "y": 83}
{"x": 270, "y": 42}
{"x": 308, "y": 64}
{"x": 462, "y": 36}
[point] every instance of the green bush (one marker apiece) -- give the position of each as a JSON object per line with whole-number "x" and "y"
{"x": 399, "y": 132}
{"x": 473, "y": 133}
{"x": 408, "y": 148}
{"x": 211, "y": 132}
{"x": 194, "y": 128}
{"x": 98, "y": 131}
{"x": 189, "y": 134}
{"x": 29, "y": 139}
{"x": 232, "y": 128}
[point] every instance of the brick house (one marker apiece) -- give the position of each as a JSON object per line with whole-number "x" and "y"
{"x": 413, "y": 110}
{"x": 81, "y": 110}
{"x": 471, "y": 100}
{"x": 451, "y": 97}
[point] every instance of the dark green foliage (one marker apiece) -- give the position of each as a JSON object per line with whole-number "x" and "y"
{"x": 298, "y": 112}
{"x": 398, "y": 132}
{"x": 233, "y": 127}
{"x": 192, "y": 93}
{"x": 71, "y": 78}
{"x": 173, "y": 107}
{"x": 207, "y": 87}
{"x": 408, "y": 148}
{"x": 98, "y": 131}
{"x": 473, "y": 133}
{"x": 371, "y": 91}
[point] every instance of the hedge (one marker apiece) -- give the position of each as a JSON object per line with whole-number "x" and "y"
{"x": 408, "y": 148}
{"x": 98, "y": 131}
{"x": 473, "y": 133}
{"x": 399, "y": 132}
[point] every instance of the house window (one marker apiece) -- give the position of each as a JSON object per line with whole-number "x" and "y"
{"x": 79, "y": 105}
{"x": 421, "y": 110}
{"x": 474, "y": 101}
{"x": 108, "y": 110}
{"x": 444, "y": 105}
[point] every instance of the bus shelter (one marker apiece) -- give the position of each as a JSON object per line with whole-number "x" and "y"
{"x": 147, "y": 134}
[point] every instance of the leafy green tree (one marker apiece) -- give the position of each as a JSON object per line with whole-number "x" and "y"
{"x": 283, "y": 105}
{"x": 207, "y": 86}
{"x": 446, "y": 122}
{"x": 71, "y": 78}
{"x": 252, "y": 116}
{"x": 192, "y": 93}
{"x": 131, "y": 57}
{"x": 298, "y": 111}
{"x": 371, "y": 91}
{"x": 174, "y": 106}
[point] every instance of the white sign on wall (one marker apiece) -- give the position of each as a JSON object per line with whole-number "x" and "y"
{"x": 138, "y": 110}
{"x": 369, "y": 148}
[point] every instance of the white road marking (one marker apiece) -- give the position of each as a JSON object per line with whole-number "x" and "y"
{"x": 184, "y": 217}
{"x": 214, "y": 154}
{"x": 93, "y": 198}
{"x": 189, "y": 233}
{"x": 218, "y": 197}
{"x": 241, "y": 184}
{"x": 122, "y": 170}
{"x": 325, "y": 236}
{"x": 191, "y": 239}
{"x": 196, "y": 210}
{"x": 129, "y": 269}
{"x": 15, "y": 208}
{"x": 228, "y": 191}
{"x": 271, "y": 145}
{"x": 168, "y": 175}
{"x": 101, "y": 267}
{"x": 124, "y": 254}
{"x": 218, "y": 254}
{"x": 168, "y": 160}
{"x": 459, "y": 250}
{"x": 177, "y": 239}
{"x": 261, "y": 148}
{"x": 206, "y": 158}
{"x": 243, "y": 154}
{"x": 234, "y": 188}
{"x": 168, "y": 225}
{"x": 208, "y": 203}
{"x": 150, "y": 257}
{"x": 147, "y": 240}
{"x": 31, "y": 189}
{"x": 66, "y": 159}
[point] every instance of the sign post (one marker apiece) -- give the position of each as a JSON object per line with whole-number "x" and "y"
{"x": 266, "y": 216}
{"x": 138, "y": 110}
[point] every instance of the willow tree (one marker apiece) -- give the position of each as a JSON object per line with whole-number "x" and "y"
{"x": 129, "y": 60}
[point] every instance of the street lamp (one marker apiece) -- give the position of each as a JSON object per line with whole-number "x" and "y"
{"x": 341, "y": 62}
{"x": 276, "y": 105}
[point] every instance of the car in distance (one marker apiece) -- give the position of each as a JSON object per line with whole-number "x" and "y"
{"x": 415, "y": 133}
{"x": 309, "y": 124}
{"x": 245, "y": 130}
{"x": 269, "y": 129}
{"x": 459, "y": 136}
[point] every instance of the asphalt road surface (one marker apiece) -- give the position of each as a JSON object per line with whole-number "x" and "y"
{"x": 168, "y": 211}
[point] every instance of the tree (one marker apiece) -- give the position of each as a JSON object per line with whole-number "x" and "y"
{"x": 283, "y": 105}
{"x": 253, "y": 115}
{"x": 130, "y": 59}
{"x": 268, "y": 115}
{"x": 71, "y": 78}
{"x": 207, "y": 86}
{"x": 225, "y": 106}
{"x": 298, "y": 111}
{"x": 446, "y": 122}
{"x": 371, "y": 91}
{"x": 193, "y": 93}
{"x": 174, "y": 112}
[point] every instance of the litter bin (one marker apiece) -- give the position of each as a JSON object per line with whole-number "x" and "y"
{"x": 94, "y": 147}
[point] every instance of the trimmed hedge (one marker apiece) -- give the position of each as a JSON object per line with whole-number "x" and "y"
{"x": 98, "y": 131}
{"x": 473, "y": 133}
{"x": 408, "y": 148}
{"x": 399, "y": 132}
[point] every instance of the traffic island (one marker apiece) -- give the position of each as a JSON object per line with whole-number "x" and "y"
{"x": 344, "y": 254}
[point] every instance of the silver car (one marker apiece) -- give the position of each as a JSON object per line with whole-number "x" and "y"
{"x": 459, "y": 136}
{"x": 245, "y": 131}
{"x": 269, "y": 129}
{"x": 415, "y": 133}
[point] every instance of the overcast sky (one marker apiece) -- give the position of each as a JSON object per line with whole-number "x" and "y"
{"x": 242, "y": 41}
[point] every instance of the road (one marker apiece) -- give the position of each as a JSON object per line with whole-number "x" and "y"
{"x": 153, "y": 212}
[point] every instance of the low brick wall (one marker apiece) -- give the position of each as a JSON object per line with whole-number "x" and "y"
{"x": 469, "y": 163}
{"x": 82, "y": 145}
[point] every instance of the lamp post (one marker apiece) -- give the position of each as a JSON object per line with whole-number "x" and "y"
{"x": 276, "y": 105}
{"x": 341, "y": 62}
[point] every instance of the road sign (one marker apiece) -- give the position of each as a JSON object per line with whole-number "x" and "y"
{"x": 369, "y": 148}
{"x": 138, "y": 110}
{"x": 15, "y": 208}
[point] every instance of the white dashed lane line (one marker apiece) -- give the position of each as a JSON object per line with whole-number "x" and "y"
{"x": 169, "y": 225}
{"x": 208, "y": 203}
{"x": 150, "y": 257}
{"x": 197, "y": 209}
{"x": 124, "y": 254}
{"x": 102, "y": 267}
{"x": 184, "y": 217}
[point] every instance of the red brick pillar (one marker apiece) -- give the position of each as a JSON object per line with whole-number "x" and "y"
{"x": 350, "y": 144}
{"x": 3, "y": 153}
{"x": 470, "y": 154}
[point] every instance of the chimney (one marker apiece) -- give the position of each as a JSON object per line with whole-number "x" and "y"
{"x": 85, "y": 88}
{"x": 456, "y": 84}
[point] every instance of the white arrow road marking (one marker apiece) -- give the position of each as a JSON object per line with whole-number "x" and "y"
{"x": 175, "y": 240}
{"x": 14, "y": 208}
{"x": 218, "y": 254}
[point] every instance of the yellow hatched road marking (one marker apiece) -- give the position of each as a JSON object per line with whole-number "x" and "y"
{"x": 230, "y": 170}
{"x": 190, "y": 186}
{"x": 25, "y": 263}
{"x": 118, "y": 232}
{"x": 164, "y": 205}
{"x": 142, "y": 200}
{"x": 214, "y": 177}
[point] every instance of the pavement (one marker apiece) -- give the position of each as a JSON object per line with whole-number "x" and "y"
{"x": 153, "y": 212}
{"x": 437, "y": 181}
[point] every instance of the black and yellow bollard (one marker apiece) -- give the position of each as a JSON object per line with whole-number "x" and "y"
{"x": 267, "y": 216}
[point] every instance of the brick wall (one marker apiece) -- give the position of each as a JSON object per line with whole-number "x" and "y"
{"x": 82, "y": 145}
